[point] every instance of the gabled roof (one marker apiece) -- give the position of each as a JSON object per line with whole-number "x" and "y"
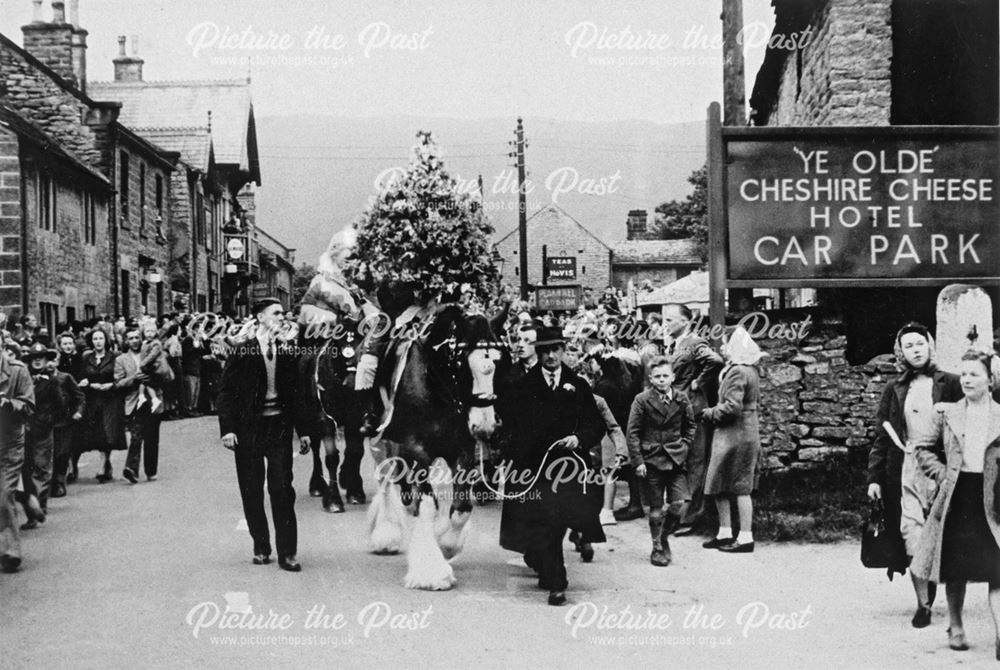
{"x": 194, "y": 144}
{"x": 553, "y": 211}
{"x": 33, "y": 134}
{"x": 172, "y": 104}
{"x": 655, "y": 252}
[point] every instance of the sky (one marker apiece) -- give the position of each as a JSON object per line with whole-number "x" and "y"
{"x": 600, "y": 60}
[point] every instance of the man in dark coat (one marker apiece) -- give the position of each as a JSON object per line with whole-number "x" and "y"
{"x": 555, "y": 424}
{"x": 17, "y": 404}
{"x": 259, "y": 403}
{"x": 696, "y": 369}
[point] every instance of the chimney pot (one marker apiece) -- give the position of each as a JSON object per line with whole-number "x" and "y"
{"x": 135, "y": 45}
{"x": 58, "y": 11}
{"x": 36, "y": 11}
{"x": 121, "y": 45}
{"x": 74, "y": 13}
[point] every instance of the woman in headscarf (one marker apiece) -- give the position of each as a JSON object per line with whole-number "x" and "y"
{"x": 961, "y": 452}
{"x": 735, "y": 442}
{"x": 894, "y": 476}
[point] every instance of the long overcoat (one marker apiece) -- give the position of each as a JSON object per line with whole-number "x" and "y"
{"x": 943, "y": 464}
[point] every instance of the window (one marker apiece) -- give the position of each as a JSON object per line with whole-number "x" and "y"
{"x": 200, "y": 219}
{"x": 201, "y": 302}
{"x": 126, "y": 295}
{"x": 70, "y": 315}
{"x": 46, "y": 197}
{"x": 123, "y": 190}
{"x": 159, "y": 205}
{"x": 48, "y": 315}
{"x": 90, "y": 311}
{"x": 88, "y": 215}
{"x": 142, "y": 198}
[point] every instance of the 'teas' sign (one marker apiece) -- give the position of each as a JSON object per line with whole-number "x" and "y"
{"x": 561, "y": 267}
{"x": 888, "y": 203}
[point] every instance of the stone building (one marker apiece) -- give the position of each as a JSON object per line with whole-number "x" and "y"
{"x": 867, "y": 62}
{"x": 642, "y": 259}
{"x": 211, "y": 124}
{"x": 82, "y": 253}
{"x": 552, "y": 233}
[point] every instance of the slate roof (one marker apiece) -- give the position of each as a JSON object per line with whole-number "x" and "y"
{"x": 655, "y": 252}
{"x": 34, "y": 134}
{"x": 193, "y": 144}
{"x": 179, "y": 104}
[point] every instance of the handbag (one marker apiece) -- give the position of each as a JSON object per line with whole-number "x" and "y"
{"x": 879, "y": 548}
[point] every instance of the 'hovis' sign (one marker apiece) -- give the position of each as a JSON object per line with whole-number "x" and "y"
{"x": 891, "y": 203}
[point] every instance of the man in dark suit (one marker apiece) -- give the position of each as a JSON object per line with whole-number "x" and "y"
{"x": 259, "y": 404}
{"x": 17, "y": 404}
{"x": 554, "y": 419}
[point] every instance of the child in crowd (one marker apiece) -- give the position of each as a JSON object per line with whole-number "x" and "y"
{"x": 660, "y": 430}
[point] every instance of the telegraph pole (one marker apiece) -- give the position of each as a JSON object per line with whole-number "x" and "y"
{"x": 522, "y": 208}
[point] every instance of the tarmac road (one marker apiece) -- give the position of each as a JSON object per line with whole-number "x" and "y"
{"x": 158, "y": 575}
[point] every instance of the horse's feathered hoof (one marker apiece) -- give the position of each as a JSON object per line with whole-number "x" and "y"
{"x": 385, "y": 537}
{"x": 452, "y": 540}
{"x": 428, "y": 570}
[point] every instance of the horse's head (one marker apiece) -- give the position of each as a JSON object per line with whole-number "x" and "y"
{"x": 467, "y": 347}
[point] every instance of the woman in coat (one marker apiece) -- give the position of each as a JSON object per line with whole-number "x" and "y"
{"x": 102, "y": 429}
{"x": 961, "y": 539}
{"x": 894, "y": 476}
{"x": 735, "y": 442}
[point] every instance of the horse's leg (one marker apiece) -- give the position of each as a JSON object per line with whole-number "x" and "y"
{"x": 350, "y": 468}
{"x": 332, "y": 501}
{"x": 317, "y": 484}
{"x": 386, "y": 514}
{"x": 426, "y": 566}
{"x": 452, "y": 533}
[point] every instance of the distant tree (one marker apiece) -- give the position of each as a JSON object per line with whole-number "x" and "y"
{"x": 688, "y": 218}
{"x": 300, "y": 282}
{"x": 423, "y": 233}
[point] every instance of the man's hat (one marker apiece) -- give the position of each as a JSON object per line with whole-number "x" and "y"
{"x": 550, "y": 336}
{"x": 38, "y": 350}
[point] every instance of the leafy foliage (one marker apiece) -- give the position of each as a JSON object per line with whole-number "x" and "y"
{"x": 300, "y": 282}
{"x": 422, "y": 233}
{"x": 687, "y": 219}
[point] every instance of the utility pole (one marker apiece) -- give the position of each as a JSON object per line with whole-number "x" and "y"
{"x": 734, "y": 100}
{"x": 522, "y": 208}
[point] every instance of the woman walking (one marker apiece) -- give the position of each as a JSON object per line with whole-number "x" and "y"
{"x": 894, "y": 476}
{"x": 961, "y": 540}
{"x": 735, "y": 443}
{"x": 102, "y": 427}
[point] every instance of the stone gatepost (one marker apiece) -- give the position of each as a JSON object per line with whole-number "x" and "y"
{"x": 964, "y": 321}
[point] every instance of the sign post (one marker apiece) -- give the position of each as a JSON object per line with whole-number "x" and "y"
{"x": 851, "y": 206}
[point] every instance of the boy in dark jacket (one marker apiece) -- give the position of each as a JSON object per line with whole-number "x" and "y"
{"x": 660, "y": 429}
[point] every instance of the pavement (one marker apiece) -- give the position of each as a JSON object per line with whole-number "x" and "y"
{"x": 158, "y": 575}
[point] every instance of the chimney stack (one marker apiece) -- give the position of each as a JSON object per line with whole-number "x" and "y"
{"x": 637, "y": 225}
{"x": 128, "y": 68}
{"x": 60, "y": 46}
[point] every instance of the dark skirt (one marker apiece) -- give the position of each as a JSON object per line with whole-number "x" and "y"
{"x": 969, "y": 552}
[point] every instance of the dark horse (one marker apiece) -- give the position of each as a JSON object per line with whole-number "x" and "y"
{"x": 441, "y": 408}
{"x": 327, "y": 373}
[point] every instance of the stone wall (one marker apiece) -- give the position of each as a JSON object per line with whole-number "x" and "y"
{"x": 815, "y": 409}
{"x": 136, "y": 238}
{"x": 10, "y": 224}
{"x": 63, "y": 269}
{"x": 843, "y": 76}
